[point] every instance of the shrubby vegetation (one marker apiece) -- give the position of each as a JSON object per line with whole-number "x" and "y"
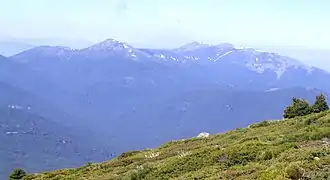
{"x": 320, "y": 104}
{"x": 295, "y": 148}
{"x": 300, "y": 107}
{"x": 17, "y": 174}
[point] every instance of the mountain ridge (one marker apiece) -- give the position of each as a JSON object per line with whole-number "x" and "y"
{"x": 174, "y": 55}
{"x": 255, "y": 60}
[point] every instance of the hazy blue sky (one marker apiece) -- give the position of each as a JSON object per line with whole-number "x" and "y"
{"x": 168, "y": 23}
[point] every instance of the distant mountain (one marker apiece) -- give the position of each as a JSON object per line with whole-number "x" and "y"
{"x": 113, "y": 71}
{"x": 11, "y": 48}
{"x": 317, "y": 57}
{"x": 109, "y": 78}
{"x": 258, "y": 70}
{"x": 127, "y": 97}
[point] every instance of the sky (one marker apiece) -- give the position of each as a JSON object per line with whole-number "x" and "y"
{"x": 171, "y": 23}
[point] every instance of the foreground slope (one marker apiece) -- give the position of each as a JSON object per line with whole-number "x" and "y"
{"x": 285, "y": 149}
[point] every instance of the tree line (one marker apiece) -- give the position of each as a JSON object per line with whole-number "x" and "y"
{"x": 301, "y": 107}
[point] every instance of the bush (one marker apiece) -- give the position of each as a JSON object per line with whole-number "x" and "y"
{"x": 17, "y": 174}
{"x": 320, "y": 104}
{"x": 260, "y": 124}
{"x": 299, "y": 107}
{"x": 310, "y": 120}
{"x": 135, "y": 176}
{"x": 128, "y": 154}
{"x": 267, "y": 155}
{"x": 140, "y": 173}
{"x": 294, "y": 171}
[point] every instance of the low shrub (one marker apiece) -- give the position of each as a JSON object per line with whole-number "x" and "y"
{"x": 294, "y": 171}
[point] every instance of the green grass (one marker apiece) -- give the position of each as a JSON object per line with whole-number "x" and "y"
{"x": 297, "y": 148}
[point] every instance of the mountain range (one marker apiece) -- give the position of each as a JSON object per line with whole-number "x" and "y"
{"x": 279, "y": 71}
{"x": 126, "y": 98}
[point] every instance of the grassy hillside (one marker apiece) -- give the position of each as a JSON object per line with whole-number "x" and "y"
{"x": 297, "y": 148}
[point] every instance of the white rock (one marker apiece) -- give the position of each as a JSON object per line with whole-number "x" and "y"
{"x": 152, "y": 155}
{"x": 203, "y": 135}
{"x": 184, "y": 153}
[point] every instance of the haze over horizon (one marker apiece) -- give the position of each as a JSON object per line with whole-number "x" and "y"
{"x": 167, "y": 24}
{"x": 298, "y": 29}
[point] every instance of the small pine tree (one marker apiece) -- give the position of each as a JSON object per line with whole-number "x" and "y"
{"x": 320, "y": 104}
{"x": 299, "y": 107}
{"x": 17, "y": 174}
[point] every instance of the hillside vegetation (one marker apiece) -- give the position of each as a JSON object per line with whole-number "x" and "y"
{"x": 295, "y": 148}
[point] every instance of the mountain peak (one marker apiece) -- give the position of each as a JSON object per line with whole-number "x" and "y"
{"x": 197, "y": 45}
{"x": 193, "y": 45}
{"x": 109, "y": 41}
{"x": 46, "y": 50}
{"x": 225, "y": 46}
{"x": 40, "y": 52}
{"x": 109, "y": 44}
